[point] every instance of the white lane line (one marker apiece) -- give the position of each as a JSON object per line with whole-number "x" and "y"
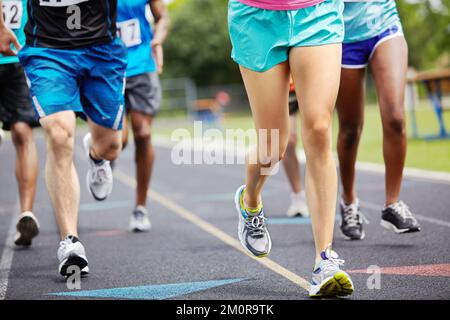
{"x": 7, "y": 255}
{"x": 374, "y": 207}
{"x": 213, "y": 231}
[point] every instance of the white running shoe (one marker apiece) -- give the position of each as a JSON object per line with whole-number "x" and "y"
{"x": 27, "y": 228}
{"x": 252, "y": 231}
{"x": 328, "y": 280}
{"x": 140, "y": 221}
{"x": 99, "y": 178}
{"x": 299, "y": 206}
{"x": 71, "y": 253}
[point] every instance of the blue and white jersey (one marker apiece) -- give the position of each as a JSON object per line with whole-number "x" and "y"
{"x": 369, "y": 18}
{"x": 136, "y": 32}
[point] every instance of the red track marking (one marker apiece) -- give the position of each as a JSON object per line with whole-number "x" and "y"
{"x": 109, "y": 233}
{"x": 430, "y": 270}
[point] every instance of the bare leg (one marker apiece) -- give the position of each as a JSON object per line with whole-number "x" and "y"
{"x": 316, "y": 73}
{"x": 290, "y": 160}
{"x": 268, "y": 95}
{"x": 144, "y": 154}
{"x": 389, "y": 65}
{"x": 125, "y": 132}
{"x": 61, "y": 176}
{"x": 350, "y": 108}
{"x": 106, "y": 143}
{"x": 26, "y": 164}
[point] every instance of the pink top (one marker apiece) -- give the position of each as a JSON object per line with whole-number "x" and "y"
{"x": 280, "y": 4}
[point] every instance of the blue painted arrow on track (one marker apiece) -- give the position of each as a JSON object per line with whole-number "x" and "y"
{"x": 151, "y": 292}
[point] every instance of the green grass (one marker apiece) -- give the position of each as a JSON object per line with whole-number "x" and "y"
{"x": 423, "y": 154}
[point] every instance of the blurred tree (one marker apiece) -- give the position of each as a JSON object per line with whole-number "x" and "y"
{"x": 199, "y": 45}
{"x": 427, "y": 28}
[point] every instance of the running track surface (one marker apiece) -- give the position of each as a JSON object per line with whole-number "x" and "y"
{"x": 192, "y": 251}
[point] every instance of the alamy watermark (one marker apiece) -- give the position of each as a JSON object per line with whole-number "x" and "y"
{"x": 212, "y": 146}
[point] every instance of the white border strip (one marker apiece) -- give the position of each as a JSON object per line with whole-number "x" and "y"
{"x": 7, "y": 255}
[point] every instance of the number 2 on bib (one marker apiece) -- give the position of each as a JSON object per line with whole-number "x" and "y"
{"x": 12, "y": 14}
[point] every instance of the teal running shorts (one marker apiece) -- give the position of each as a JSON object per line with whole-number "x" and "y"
{"x": 261, "y": 38}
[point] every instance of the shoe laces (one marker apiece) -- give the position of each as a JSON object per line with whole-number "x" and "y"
{"x": 352, "y": 216}
{"x": 99, "y": 175}
{"x": 256, "y": 225}
{"x": 403, "y": 210}
{"x": 331, "y": 264}
{"x": 139, "y": 214}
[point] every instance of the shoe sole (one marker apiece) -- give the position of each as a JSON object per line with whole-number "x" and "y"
{"x": 238, "y": 209}
{"x": 79, "y": 261}
{"x": 363, "y": 235}
{"x": 340, "y": 285}
{"x": 389, "y": 226}
{"x": 28, "y": 229}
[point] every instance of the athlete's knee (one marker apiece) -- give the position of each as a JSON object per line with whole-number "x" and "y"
{"x": 142, "y": 133}
{"x": 317, "y": 134}
{"x": 21, "y": 134}
{"x": 395, "y": 125}
{"x": 349, "y": 133}
{"x": 60, "y": 135}
{"x": 110, "y": 149}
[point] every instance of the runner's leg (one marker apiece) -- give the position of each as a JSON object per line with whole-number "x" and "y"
{"x": 389, "y": 66}
{"x": 61, "y": 176}
{"x": 290, "y": 160}
{"x": 316, "y": 73}
{"x": 268, "y": 96}
{"x": 144, "y": 154}
{"x": 350, "y": 109}
{"x": 26, "y": 164}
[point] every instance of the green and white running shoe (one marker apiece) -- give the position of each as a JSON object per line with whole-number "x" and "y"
{"x": 252, "y": 230}
{"x": 328, "y": 280}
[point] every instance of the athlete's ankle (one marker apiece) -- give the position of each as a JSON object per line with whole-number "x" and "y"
{"x": 96, "y": 161}
{"x": 251, "y": 205}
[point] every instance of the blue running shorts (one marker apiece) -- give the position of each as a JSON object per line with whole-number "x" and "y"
{"x": 356, "y": 55}
{"x": 87, "y": 80}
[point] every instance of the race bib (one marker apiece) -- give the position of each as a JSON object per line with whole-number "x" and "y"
{"x": 130, "y": 32}
{"x": 59, "y": 3}
{"x": 12, "y": 14}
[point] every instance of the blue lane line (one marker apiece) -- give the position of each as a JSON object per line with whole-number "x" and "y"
{"x": 96, "y": 206}
{"x": 296, "y": 220}
{"x": 151, "y": 292}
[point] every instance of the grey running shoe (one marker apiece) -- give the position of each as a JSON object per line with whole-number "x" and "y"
{"x": 398, "y": 217}
{"x": 252, "y": 230}
{"x": 352, "y": 221}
